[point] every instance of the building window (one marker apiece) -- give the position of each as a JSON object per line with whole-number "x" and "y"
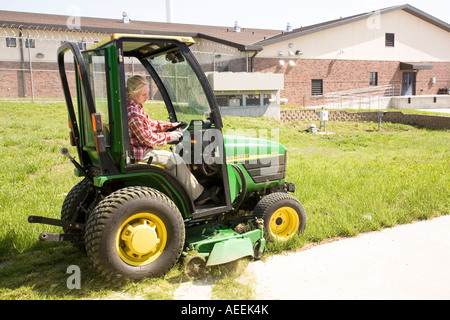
{"x": 229, "y": 100}
{"x": 11, "y": 42}
{"x": 316, "y": 87}
{"x": 30, "y": 43}
{"x": 245, "y": 100}
{"x": 390, "y": 39}
{"x": 252, "y": 100}
{"x": 373, "y": 78}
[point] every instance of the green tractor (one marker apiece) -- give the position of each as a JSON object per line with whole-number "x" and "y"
{"x": 136, "y": 220}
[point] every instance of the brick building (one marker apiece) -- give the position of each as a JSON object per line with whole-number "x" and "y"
{"x": 394, "y": 51}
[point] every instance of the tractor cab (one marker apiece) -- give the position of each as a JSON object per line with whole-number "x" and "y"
{"x": 98, "y": 119}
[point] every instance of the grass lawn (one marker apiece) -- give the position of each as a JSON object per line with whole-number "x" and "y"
{"x": 355, "y": 180}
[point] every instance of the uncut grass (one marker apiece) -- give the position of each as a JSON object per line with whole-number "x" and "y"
{"x": 356, "y": 180}
{"x": 360, "y": 179}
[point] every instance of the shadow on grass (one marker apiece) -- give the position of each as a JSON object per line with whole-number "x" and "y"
{"x": 42, "y": 273}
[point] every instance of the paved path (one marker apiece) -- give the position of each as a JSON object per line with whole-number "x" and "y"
{"x": 405, "y": 262}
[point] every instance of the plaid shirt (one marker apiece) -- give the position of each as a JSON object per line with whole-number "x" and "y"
{"x": 144, "y": 131}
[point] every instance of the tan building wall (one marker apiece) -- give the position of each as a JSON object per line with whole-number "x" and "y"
{"x": 415, "y": 40}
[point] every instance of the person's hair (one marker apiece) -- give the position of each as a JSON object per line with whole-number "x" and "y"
{"x": 135, "y": 84}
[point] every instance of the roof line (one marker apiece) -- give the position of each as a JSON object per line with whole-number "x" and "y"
{"x": 116, "y": 29}
{"x": 427, "y": 17}
{"x": 240, "y": 47}
{"x": 339, "y": 22}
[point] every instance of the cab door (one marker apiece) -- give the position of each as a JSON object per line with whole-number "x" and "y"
{"x": 89, "y": 121}
{"x": 182, "y": 86}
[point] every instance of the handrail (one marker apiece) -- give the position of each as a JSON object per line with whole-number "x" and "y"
{"x": 360, "y": 95}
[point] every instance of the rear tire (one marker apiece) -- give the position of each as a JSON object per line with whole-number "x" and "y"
{"x": 135, "y": 232}
{"x": 73, "y": 199}
{"x": 283, "y": 215}
{"x": 70, "y": 208}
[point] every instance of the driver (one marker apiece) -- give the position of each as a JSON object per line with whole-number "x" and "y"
{"x": 145, "y": 133}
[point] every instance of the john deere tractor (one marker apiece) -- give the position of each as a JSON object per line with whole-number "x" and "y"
{"x": 137, "y": 220}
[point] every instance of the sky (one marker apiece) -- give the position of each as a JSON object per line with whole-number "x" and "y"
{"x": 262, "y": 14}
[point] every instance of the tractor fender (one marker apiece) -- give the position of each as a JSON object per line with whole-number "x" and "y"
{"x": 153, "y": 177}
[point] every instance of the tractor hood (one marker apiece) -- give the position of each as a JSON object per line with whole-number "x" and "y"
{"x": 248, "y": 150}
{"x": 263, "y": 161}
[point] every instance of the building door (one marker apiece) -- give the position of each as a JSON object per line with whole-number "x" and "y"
{"x": 409, "y": 84}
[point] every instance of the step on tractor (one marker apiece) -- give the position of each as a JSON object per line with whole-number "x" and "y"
{"x": 136, "y": 220}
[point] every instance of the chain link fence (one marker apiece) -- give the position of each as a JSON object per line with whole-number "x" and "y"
{"x": 28, "y": 60}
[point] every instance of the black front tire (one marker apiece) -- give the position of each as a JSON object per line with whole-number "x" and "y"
{"x": 283, "y": 215}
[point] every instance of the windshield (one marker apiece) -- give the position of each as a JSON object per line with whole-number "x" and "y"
{"x": 182, "y": 85}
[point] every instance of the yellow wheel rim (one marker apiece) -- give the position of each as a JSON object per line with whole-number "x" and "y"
{"x": 284, "y": 224}
{"x": 141, "y": 239}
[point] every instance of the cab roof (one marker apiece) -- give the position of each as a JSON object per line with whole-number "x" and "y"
{"x": 115, "y": 36}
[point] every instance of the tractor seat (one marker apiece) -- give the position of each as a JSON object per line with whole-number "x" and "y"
{"x": 150, "y": 162}
{"x": 153, "y": 164}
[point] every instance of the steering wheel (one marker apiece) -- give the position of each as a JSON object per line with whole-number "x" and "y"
{"x": 208, "y": 167}
{"x": 183, "y": 126}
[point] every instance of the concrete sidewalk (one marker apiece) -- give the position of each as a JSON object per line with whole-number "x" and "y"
{"x": 405, "y": 262}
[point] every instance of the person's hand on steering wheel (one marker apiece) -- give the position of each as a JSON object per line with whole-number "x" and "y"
{"x": 178, "y": 125}
{"x": 182, "y": 126}
{"x": 175, "y": 135}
